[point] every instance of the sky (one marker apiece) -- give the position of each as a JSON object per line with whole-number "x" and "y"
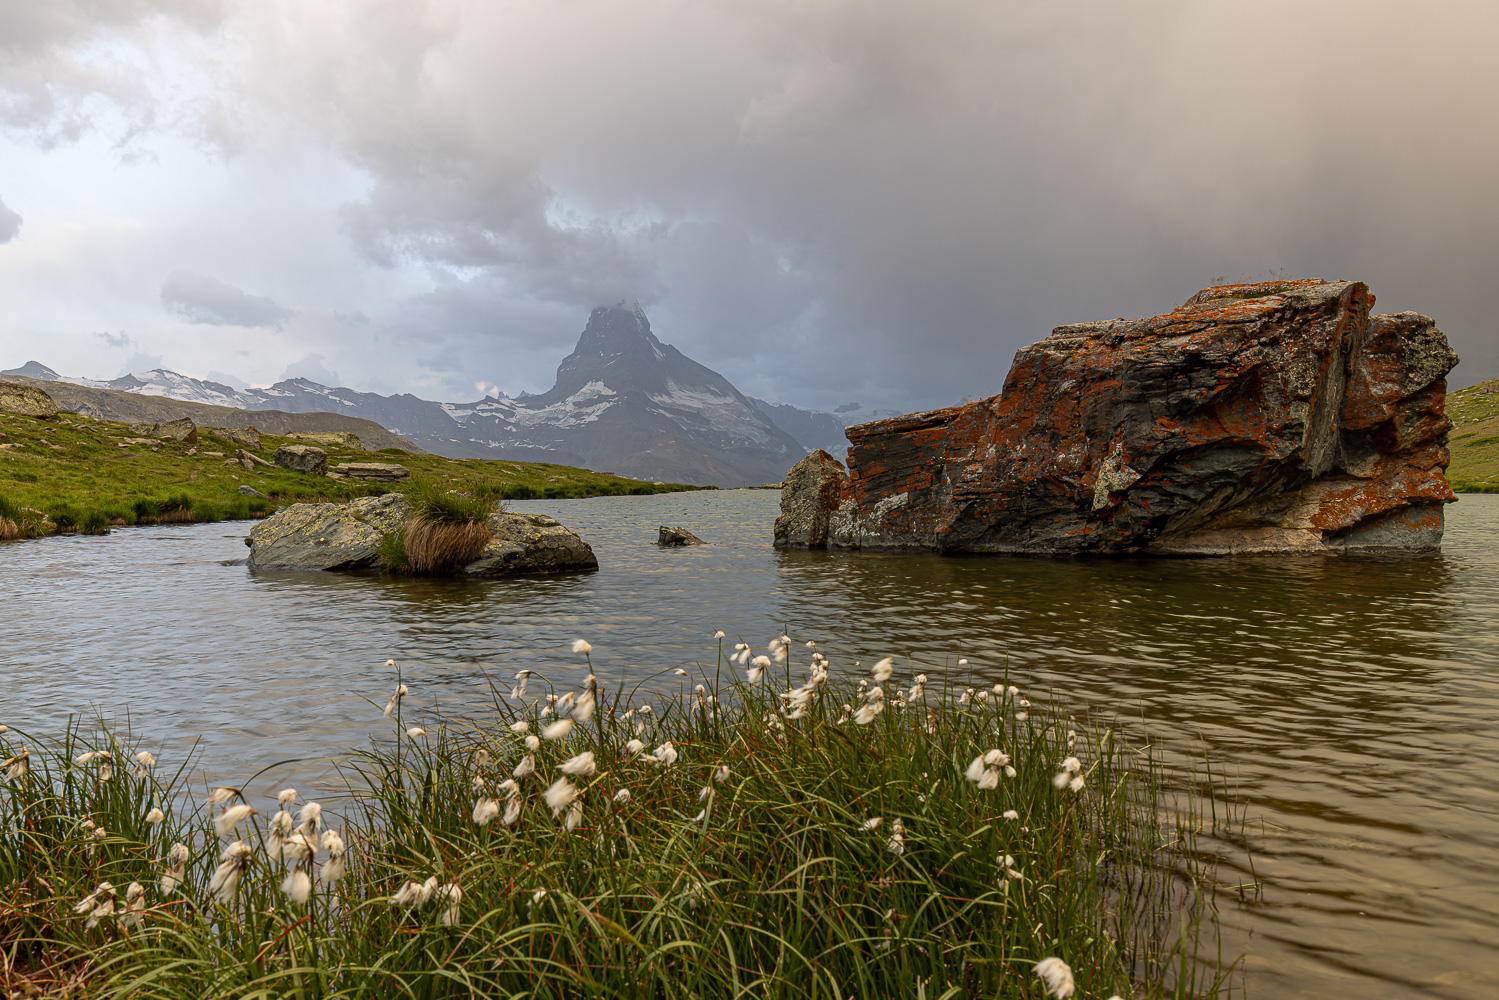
{"x": 824, "y": 200}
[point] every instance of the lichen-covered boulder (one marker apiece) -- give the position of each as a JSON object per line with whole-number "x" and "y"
{"x": 531, "y": 543}
{"x": 26, "y": 400}
{"x": 302, "y": 458}
{"x": 1272, "y": 417}
{"x": 809, "y": 497}
{"x": 326, "y": 535}
{"x": 182, "y": 429}
{"x": 245, "y": 437}
{"x": 346, "y": 440}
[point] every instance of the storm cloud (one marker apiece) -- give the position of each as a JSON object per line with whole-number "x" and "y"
{"x": 198, "y": 298}
{"x": 823, "y": 199}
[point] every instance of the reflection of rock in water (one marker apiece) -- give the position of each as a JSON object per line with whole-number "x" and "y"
{"x": 1278, "y": 417}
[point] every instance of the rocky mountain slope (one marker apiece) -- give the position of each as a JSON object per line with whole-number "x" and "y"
{"x": 1475, "y": 438}
{"x": 132, "y": 407}
{"x": 623, "y": 402}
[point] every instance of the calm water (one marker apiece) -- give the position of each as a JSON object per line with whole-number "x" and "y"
{"x": 1355, "y": 703}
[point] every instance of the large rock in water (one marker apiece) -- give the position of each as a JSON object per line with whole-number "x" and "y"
{"x": 1273, "y": 417}
{"x": 809, "y": 497}
{"x": 345, "y": 536}
{"x": 326, "y": 535}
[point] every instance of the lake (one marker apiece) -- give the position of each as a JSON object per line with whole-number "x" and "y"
{"x": 1353, "y": 703}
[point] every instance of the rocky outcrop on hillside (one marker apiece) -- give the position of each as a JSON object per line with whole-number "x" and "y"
{"x": 346, "y": 536}
{"x": 1273, "y": 417}
{"x": 26, "y": 400}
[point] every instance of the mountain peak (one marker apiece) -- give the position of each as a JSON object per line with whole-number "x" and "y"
{"x": 36, "y": 370}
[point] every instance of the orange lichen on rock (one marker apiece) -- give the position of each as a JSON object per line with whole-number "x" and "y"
{"x": 1278, "y": 416}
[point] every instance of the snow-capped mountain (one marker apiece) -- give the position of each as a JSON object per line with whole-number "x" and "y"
{"x": 623, "y": 402}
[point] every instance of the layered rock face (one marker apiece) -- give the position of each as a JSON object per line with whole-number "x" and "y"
{"x": 1273, "y": 417}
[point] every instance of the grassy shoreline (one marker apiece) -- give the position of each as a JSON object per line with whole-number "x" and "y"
{"x": 75, "y": 474}
{"x": 799, "y": 838}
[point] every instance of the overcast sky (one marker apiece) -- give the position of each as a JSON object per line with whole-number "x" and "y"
{"x": 825, "y": 200}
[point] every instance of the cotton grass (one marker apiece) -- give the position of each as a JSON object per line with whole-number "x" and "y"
{"x": 735, "y": 835}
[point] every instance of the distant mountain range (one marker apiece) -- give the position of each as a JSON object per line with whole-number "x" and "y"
{"x": 623, "y": 402}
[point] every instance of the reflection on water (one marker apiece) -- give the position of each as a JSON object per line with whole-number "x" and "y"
{"x": 1354, "y": 702}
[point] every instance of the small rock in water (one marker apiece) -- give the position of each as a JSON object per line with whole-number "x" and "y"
{"x": 670, "y": 537}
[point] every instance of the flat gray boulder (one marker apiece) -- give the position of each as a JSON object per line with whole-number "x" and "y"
{"x": 302, "y": 458}
{"x": 531, "y": 543}
{"x": 372, "y": 472}
{"x": 336, "y": 536}
{"x": 182, "y": 429}
{"x": 326, "y": 535}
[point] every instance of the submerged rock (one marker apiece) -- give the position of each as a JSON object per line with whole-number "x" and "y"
{"x": 338, "y": 536}
{"x": 674, "y": 537}
{"x": 1273, "y": 417}
{"x": 26, "y": 400}
{"x": 302, "y": 458}
{"x": 809, "y": 497}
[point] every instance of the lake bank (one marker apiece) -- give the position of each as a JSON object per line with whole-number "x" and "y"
{"x": 1352, "y": 701}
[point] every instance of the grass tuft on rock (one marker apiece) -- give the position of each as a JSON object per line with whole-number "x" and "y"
{"x": 737, "y": 841}
{"x": 437, "y": 547}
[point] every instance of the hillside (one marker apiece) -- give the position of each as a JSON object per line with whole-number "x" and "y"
{"x": 71, "y": 466}
{"x": 1475, "y": 438}
{"x": 131, "y": 407}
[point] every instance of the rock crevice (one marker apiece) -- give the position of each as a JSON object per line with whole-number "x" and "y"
{"x": 1272, "y": 417}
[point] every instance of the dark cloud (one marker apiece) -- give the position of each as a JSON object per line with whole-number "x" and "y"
{"x": 198, "y": 298}
{"x": 824, "y": 199}
{"x": 10, "y": 223}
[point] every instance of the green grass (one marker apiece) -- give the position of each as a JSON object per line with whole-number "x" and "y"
{"x": 775, "y": 883}
{"x": 78, "y": 466}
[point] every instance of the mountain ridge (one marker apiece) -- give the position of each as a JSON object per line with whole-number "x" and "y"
{"x": 622, "y": 401}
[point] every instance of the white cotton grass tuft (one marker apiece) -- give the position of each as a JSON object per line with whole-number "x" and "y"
{"x": 395, "y": 699}
{"x": 416, "y": 731}
{"x": 1011, "y": 814}
{"x": 176, "y": 870}
{"x": 680, "y": 672}
{"x": 225, "y": 822}
{"x": 311, "y": 819}
{"x": 297, "y": 886}
{"x": 449, "y": 896}
{"x": 155, "y": 816}
{"x": 533, "y": 744}
{"x": 622, "y": 797}
{"x": 666, "y": 755}
{"x": 526, "y": 766}
{"x": 574, "y": 815}
{"x": 1057, "y": 975}
{"x": 581, "y": 646}
{"x": 634, "y": 747}
{"x": 486, "y": 810}
{"x": 559, "y": 795}
{"x": 882, "y": 670}
{"x": 897, "y": 843}
{"x": 582, "y": 765}
{"x": 721, "y": 773}
{"x": 558, "y": 730}
{"x": 872, "y": 823}
{"x": 224, "y": 885}
{"x": 338, "y": 862}
{"x": 220, "y": 795}
{"x": 520, "y": 726}
{"x": 415, "y": 894}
